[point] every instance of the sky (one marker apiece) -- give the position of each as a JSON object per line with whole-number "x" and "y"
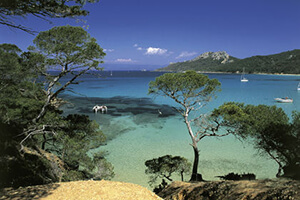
{"x": 138, "y": 34}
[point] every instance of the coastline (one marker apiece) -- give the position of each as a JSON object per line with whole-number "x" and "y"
{"x": 215, "y": 72}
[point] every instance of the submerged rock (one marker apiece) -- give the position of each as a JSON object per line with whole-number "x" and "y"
{"x": 221, "y": 190}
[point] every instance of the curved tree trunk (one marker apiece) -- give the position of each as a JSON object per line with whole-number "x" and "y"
{"x": 195, "y": 176}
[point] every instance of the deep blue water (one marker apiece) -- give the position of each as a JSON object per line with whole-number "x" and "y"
{"x": 136, "y": 132}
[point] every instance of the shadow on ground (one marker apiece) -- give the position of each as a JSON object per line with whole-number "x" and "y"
{"x": 28, "y": 193}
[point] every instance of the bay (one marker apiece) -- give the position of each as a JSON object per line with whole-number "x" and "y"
{"x": 136, "y": 132}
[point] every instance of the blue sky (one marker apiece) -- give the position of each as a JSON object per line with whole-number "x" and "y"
{"x": 152, "y": 33}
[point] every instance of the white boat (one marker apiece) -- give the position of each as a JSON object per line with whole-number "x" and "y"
{"x": 243, "y": 78}
{"x": 298, "y": 88}
{"x": 284, "y": 100}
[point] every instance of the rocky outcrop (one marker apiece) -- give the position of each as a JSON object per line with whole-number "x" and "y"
{"x": 221, "y": 190}
{"x": 219, "y": 55}
{"x": 31, "y": 166}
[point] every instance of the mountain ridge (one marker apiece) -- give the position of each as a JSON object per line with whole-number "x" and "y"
{"x": 287, "y": 62}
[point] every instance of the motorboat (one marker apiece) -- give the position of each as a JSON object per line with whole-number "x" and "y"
{"x": 284, "y": 100}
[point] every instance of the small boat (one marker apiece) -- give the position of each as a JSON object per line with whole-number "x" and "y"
{"x": 298, "y": 88}
{"x": 243, "y": 78}
{"x": 284, "y": 100}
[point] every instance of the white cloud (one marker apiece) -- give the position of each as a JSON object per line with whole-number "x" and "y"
{"x": 185, "y": 54}
{"x": 124, "y": 60}
{"x": 108, "y": 50}
{"x": 155, "y": 51}
{"x": 138, "y": 47}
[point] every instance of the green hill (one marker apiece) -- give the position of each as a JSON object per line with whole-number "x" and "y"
{"x": 286, "y": 62}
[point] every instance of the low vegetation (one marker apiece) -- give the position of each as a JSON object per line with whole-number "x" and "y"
{"x": 38, "y": 144}
{"x": 164, "y": 167}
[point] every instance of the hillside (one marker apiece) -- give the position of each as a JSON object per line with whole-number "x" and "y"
{"x": 208, "y": 61}
{"x": 224, "y": 190}
{"x": 286, "y": 62}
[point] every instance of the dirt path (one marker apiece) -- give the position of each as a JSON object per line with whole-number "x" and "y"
{"x": 81, "y": 190}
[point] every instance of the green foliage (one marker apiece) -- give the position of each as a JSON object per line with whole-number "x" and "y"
{"x": 250, "y": 119}
{"x": 75, "y": 140}
{"x": 165, "y": 166}
{"x": 74, "y": 136}
{"x": 185, "y": 88}
{"x": 285, "y": 62}
{"x": 191, "y": 91}
{"x": 70, "y": 138}
{"x": 17, "y": 89}
{"x": 69, "y": 47}
{"x": 270, "y": 129}
{"x": 40, "y": 8}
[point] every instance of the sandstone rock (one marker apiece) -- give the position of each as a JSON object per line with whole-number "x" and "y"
{"x": 81, "y": 190}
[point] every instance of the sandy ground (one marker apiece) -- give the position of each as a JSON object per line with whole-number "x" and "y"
{"x": 81, "y": 190}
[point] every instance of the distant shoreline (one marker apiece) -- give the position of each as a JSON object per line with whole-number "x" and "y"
{"x": 208, "y": 72}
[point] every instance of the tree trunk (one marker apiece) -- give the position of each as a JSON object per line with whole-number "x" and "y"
{"x": 195, "y": 176}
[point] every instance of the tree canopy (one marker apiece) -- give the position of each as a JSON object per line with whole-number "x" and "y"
{"x": 38, "y": 145}
{"x": 41, "y": 9}
{"x": 191, "y": 91}
{"x": 70, "y": 50}
{"x": 163, "y": 167}
{"x": 271, "y": 131}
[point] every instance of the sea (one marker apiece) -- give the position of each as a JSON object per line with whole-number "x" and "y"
{"x": 140, "y": 127}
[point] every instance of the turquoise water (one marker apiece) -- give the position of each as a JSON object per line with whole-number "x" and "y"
{"x": 136, "y": 132}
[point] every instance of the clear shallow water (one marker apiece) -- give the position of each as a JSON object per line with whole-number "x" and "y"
{"x": 136, "y": 132}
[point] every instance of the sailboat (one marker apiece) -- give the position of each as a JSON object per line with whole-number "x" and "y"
{"x": 298, "y": 88}
{"x": 243, "y": 78}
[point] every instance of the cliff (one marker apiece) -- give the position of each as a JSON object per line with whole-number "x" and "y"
{"x": 223, "y": 190}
